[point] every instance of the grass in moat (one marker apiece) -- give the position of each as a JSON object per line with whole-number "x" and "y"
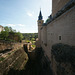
{"x": 2, "y": 58}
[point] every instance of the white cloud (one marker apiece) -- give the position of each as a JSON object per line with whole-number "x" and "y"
{"x": 15, "y": 25}
{"x": 20, "y": 24}
{"x": 29, "y": 14}
{"x": 11, "y": 24}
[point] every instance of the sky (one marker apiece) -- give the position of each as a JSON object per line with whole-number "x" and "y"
{"x": 22, "y": 15}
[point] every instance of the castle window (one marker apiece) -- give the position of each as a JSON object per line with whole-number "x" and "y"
{"x": 39, "y": 22}
{"x": 59, "y": 37}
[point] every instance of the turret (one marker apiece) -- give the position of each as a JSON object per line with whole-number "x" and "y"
{"x": 40, "y": 17}
{"x": 40, "y": 22}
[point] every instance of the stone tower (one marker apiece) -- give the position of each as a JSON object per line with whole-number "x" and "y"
{"x": 40, "y": 22}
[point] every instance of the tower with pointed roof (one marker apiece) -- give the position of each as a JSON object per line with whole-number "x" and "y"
{"x": 40, "y": 22}
{"x": 40, "y": 17}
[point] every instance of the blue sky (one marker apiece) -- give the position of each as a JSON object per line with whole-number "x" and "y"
{"x": 22, "y": 15}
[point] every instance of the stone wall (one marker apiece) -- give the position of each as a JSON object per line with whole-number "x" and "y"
{"x": 57, "y": 5}
{"x": 62, "y": 68}
{"x": 9, "y": 45}
{"x": 13, "y": 61}
{"x": 63, "y": 59}
{"x": 62, "y": 30}
{"x": 44, "y": 35}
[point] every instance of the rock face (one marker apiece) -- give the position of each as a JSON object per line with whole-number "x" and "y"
{"x": 5, "y": 46}
{"x": 18, "y": 63}
{"x": 31, "y": 54}
{"x": 63, "y": 59}
{"x": 39, "y": 66}
{"x": 14, "y": 61}
{"x": 9, "y": 45}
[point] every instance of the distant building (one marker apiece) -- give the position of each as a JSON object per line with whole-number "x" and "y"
{"x": 1, "y": 28}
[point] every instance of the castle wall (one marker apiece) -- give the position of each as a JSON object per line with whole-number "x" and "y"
{"x": 44, "y": 35}
{"x": 40, "y": 22}
{"x": 41, "y": 36}
{"x": 57, "y": 5}
{"x": 61, "y": 30}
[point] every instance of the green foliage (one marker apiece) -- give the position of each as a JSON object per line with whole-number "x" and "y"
{"x": 4, "y": 34}
{"x": 19, "y": 35}
{"x": 9, "y": 53}
{"x": 47, "y": 20}
{"x": 1, "y": 58}
{"x": 63, "y": 53}
{"x": 29, "y": 36}
{"x": 33, "y": 39}
{"x": 34, "y": 46}
{"x": 26, "y": 40}
{"x": 8, "y": 31}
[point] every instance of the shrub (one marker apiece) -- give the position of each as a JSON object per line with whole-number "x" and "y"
{"x": 1, "y": 58}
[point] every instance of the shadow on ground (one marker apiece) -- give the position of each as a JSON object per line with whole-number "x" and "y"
{"x": 40, "y": 66}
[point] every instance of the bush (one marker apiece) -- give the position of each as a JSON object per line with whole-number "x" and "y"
{"x": 34, "y": 46}
{"x": 1, "y": 58}
{"x": 4, "y": 35}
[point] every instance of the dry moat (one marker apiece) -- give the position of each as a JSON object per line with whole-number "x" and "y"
{"x": 21, "y": 61}
{"x": 39, "y": 66}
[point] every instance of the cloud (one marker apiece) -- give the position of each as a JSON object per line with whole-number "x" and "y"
{"x": 11, "y": 24}
{"x": 14, "y": 25}
{"x": 29, "y": 14}
{"x": 20, "y": 24}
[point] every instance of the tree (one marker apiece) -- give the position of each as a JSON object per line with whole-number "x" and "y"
{"x": 19, "y": 35}
{"x": 49, "y": 18}
{"x": 4, "y": 35}
{"x": 29, "y": 36}
{"x": 9, "y": 29}
{"x": 33, "y": 39}
{"x": 10, "y": 34}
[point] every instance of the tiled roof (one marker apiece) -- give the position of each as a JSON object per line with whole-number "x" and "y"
{"x": 1, "y": 26}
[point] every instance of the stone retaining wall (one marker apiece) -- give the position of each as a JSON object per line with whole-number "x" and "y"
{"x": 4, "y": 46}
{"x": 13, "y": 61}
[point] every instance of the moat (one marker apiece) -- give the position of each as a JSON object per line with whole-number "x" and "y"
{"x": 39, "y": 66}
{"x": 24, "y": 62}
